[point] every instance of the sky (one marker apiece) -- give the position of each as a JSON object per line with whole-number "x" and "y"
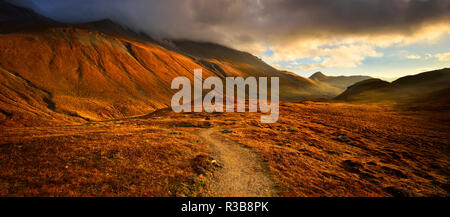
{"x": 380, "y": 38}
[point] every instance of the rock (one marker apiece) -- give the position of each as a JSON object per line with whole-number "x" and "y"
{"x": 397, "y": 192}
{"x": 227, "y": 131}
{"x": 202, "y": 164}
{"x": 394, "y": 172}
{"x": 344, "y": 138}
{"x": 352, "y": 166}
{"x": 371, "y": 163}
{"x": 292, "y": 130}
{"x": 174, "y": 133}
{"x": 215, "y": 163}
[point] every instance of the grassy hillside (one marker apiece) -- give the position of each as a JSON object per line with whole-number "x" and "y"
{"x": 414, "y": 88}
{"x": 101, "y": 70}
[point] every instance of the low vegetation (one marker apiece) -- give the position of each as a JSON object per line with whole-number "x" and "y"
{"x": 315, "y": 149}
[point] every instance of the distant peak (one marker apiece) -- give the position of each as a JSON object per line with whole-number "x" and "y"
{"x": 15, "y": 12}
{"x": 318, "y": 76}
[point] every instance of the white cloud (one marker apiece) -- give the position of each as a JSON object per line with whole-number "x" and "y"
{"x": 413, "y": 57}
{"x": 443, "y": 56}
{"x": 346, "y": 54}
{"x": 317, "y": 59}
{"x": 349, "y": 51}
{"x": 428, "y": 56}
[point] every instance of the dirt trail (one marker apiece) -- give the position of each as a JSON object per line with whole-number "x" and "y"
{"x": 243, "y": 174}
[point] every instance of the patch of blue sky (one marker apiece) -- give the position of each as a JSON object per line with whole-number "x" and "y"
{"x": 268, "y": 52}
{"x": 397, "y": 61}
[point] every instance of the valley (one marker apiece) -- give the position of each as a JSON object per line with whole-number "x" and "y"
{"x": 85, "y": 110}
{"x": 315, "y": 149}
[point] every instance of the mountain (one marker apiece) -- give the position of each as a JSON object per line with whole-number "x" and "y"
{"x": 101, "y": 70}
{"x": 425, "y": 87}
{"x": 318, "y": 76}
{"x": 225, "y": 61}
{"x": 364, "y": 90}
{"x": 9, "y": 12}
{"x": 339, "y": 82}
{"x": 13, "y": 18}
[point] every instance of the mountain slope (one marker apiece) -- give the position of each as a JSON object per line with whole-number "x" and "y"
{"x": 91, "y": 74}
{"x": 226, "y": 61}
{"x": 339, "y": 82}
{"x": 364, "y": 90}
{"x": 100, "y": 70}
{"x": 414, "y": 88}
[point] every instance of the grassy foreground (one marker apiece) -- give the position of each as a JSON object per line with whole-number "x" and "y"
{"x": 315, "y": 149}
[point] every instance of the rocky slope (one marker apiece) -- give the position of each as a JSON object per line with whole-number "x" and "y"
{"x": 101, "y": 70}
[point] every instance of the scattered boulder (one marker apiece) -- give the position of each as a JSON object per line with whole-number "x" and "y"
{"x": 227, "y": 131}
{"x": 397, "y": 192}
{"x": 394, "y": 172}
{"x": 292, "y": 130}
{"x": 371, "y": 163}
{"x": 215, "y": 163}
{"x": 344, "y": 138}
{"x": 174, "y": 133}
{"x": 208, "y": 118}
{"x": 206, "y": 125}
{"x": 202, "y": 164}
{"x": 184, "y": 124}
{"x": 352, "y": 166}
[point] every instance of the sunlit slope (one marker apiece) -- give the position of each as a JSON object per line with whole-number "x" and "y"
{"x": 415, "y": 88}
{"x": 226, "y": 61}
{"x": 92, "y": 75}
{"x": 87, "y": 73}
{"x": 101, "y": 70}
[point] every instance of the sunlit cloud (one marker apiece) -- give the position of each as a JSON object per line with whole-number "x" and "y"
{"x": 301, "y": 34}
{"x": 349, "y": 51}
{"x": 413, "y": 57}
{"x": 443, "y": 56}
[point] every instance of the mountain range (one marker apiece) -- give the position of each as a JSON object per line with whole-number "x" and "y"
{"x": 425, "y": 88}
{"x": 339, "y": 82}
{"x": 102, "y": 70}
{"x": 85, "y": 111}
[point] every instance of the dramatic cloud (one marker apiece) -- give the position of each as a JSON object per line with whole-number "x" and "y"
{"x": 334, "y": 33}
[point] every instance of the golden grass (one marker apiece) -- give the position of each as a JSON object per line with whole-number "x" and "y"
{"x": 120, "y": 158}
{"x": 315, "y": 149}
{"x": 330, "y": 149}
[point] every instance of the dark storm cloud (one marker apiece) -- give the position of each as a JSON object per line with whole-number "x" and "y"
{"x": 238, "y": 21}
{"x": 359, "y": 15}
